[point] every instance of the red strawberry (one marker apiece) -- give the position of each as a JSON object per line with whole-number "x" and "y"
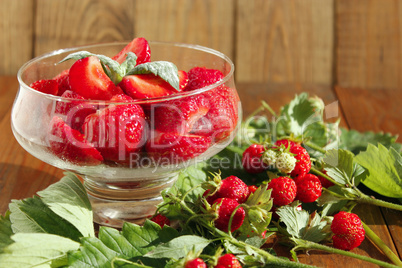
{"x": 303, "y": 164}
{"x": 183, "y": 79}
{"x": 180, "y": 115}
{"x": 117, "y": 131}
{"x": 75, "y": 110}
{"x": 222, "y": 117}
{"x": 287, "y": 143}
{"x": 140, "y": 47}
{"x": 226, "y": 207}
{"x": 199, "y": 77}
{"x": 88, "y": 79}
{"x": 234, "y": 188}
{"x": 348, "y": 231}
{"x": 251, "y": 159}
{"x": 195, "y": 263}
{"x": 63, "y": 81}
{"x": 228, "y": 261}
{"x": 252, "y": 188}
{"x": 48, "y": 86}
{"x": 70, "y": 145}
{"x": 309, "y": 188}
{"x": 284, "y": 191}
{"x": 161, "y": 220}
{"x": 121, "y": 98}
{"x": 324, "y": 182}
{"x": 174, "y": 147}
{"x": 210, "y": 198}
{"x": 144, "y": 86}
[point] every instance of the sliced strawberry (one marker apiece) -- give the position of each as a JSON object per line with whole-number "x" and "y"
{"x": 183, "y": 79}
{"x": 144, "y": 86}
{"x": 180, "y": 115}
{"x": 174, "y": 148}
{"x": 75, "y": 110}
{"x": 70, "y": 145}
{"x": 88, "y": 79}
{"x": 199, "y": 77}
{"x": 118, "y": 131}
{"x": 63, "y": 81}
{"x": 121, "y": 98}
{"x": 48, "y": 86}
{"x": 140, "y": 47}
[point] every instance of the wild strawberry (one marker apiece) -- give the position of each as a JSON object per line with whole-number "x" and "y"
{"x": 226, "y": 206}
{"x": 63, "y": 81}
{"x": 303, "y": 162}
{"x": 285, "y": 162}
{"x": 234, "y": 188}
{"x": 348, "y": 230}
{"x": 174, "y": 147}
{"x": 88, "y": 79}
{"x": 252, "y": 188}
{"x": 199, "y": 77}
{"x": 160, "y": 219}
{"x": 75, "y": 110}
{"x": 283, "y": 192}
{"x": 269, "y": 157}
{"x": 252, "y": 159}
{"x": 70, "y": 145}
{"x": 309, "y": 188}
{"x": 117, "y": 131}
{"x": 209, "y": 197}
{"x": 324, "y": 182}
{"x": 228, "y": 261}
{"x": 195, "y": 263}
{"x": 144, "y": 86}
{"x": 180, "y": 115}
{"x": 48, "y": 86}
{"x": 140, "y": 47}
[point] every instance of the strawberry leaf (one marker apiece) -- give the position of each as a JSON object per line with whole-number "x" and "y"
{"x": 5, "y": 231}
{"x": 385, "y": 170}
{"x": 164, "y": 69}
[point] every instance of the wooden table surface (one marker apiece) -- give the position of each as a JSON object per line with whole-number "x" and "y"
{"x": 22, "y": 175}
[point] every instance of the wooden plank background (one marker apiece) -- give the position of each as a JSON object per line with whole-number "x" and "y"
{"x": 349, "y": 43}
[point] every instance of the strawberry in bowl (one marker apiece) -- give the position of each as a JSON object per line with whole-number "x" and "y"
{"x": 126, "y": 117}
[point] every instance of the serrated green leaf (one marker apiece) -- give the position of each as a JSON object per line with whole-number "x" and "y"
{"x": 164, "y": 69}
{"x": 5, "y": 231}
{"x": 339, "y": 165}
{"x": 37, "y": 250}
{"x": 31, "y": 215}
{"x": 179, "y": 247}
{"x": 385, "y": 170}
{"x": 68, "y": 199}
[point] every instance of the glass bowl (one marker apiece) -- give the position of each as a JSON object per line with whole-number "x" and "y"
{"x": 124, "y": 178}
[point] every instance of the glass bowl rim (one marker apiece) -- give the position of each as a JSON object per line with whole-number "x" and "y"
{"x": 178, "y": 95}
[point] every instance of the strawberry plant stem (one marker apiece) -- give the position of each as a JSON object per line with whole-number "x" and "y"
{"x": 380, "y": 244}
{"x": 365, "y": 199}
{"x": 306, "y": 245}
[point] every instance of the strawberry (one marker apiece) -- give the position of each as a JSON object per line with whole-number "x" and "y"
{"x": 199, "y": 77}
{"x": 251, "y": 159}
{"x": 183, "y": 79}
{"x": 63, "y": 81}
{"x": 174, "y": 147}
{"x": 225, "y": 208}
{"x": 121, "y": 98}
{"x": 88, "y": 79}
{"x": 139, "y": 46}
{"x": 283, "y": 192}
{"x": 195, "y": 263}
{"x": 252, "y": 188}
{"x": 144, "y": 86}
{"x": 348, "y": 230}
{"x": 180, "y": 115}
{"x": 75, "y": 110}
{"x": 324, "y": 182}
{"x": 309, "y": 188}
{"x": 70, "y": 145}
{"x": 117, "y": 131}
{"x": 303, "y": 162}
{"x": 160, "y": 219}
{"x": 234, "y": 188}
{"x": 48, "y": 86}
{"x": 228, "y": 261}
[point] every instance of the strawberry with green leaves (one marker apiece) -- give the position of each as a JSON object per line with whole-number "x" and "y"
{"x": 228, "y": 261}
{"x": 225, "y": 208}
{"x": 160, "y": 219}
{"x": 303, "y": 162}
{"x": 252, "y": 159}
{"x": 348, "y": 230}
{"x": 195, "y": 263}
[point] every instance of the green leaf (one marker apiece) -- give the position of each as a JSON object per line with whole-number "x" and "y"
{"x": 179, "y": 247}
{"x": 339, "y": 165}
{"x": 37, "y": 250}
{"x": 5, "y": 231}
{"x": 68, "y": 199}
{"x": 31, "y": 215}
{"x": 385, "y": 170}
{"x": 164, "y": 69}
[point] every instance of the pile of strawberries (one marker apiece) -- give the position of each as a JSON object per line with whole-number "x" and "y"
{"x": 115, "y": 128}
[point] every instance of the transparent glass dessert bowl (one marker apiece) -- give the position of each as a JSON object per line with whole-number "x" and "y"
{"x": 127, "y": 190}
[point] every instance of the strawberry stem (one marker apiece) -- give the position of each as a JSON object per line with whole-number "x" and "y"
{"x": 304, "y": 244}
{"x": 318, "y": 172}
{"x": 381, "y": 245}
{"x": 365, "y": 199}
